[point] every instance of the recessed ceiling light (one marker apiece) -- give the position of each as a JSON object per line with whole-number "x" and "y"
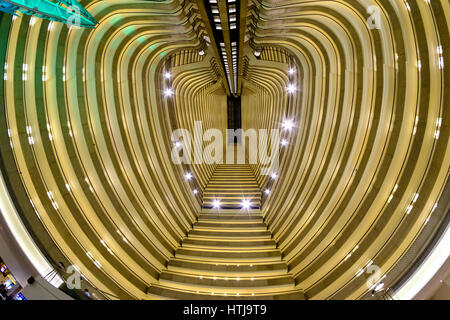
{"x": 379, "y": 287}
{"x": 291, "y": 88}
{"x": 287, "y": 125}
{"x": 168, "y": 92}
{"x": 217, "y": 204}
{"x": 246, "y": 204}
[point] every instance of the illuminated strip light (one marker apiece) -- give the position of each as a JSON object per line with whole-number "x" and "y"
{"x": 215, "y": 11}
{"x": 234, "y": 57}
{"x": 233, "y": 17}
{"x": 225, "y": 62}
{"x": 106, "y": 246}
{"x": 438, "y": 128}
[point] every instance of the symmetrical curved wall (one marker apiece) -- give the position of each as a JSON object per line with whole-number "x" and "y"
{"x": 85, "y": 134}
{"x": 90, "y": 146}
{"x": 365, "y": 175}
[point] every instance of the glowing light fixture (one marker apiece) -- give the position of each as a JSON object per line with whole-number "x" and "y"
{"x": 188, "y": 176}
{"x": 274, "y": 176}
{"x": 291, "y": 88}
{"x": 284, "y": 142}
{"x": 379, "y": 287}
{"x": 246, "y": 204}
{"x": 217, "y": 204}
{"x": 168, "y": 92}
{"x": 167, "y": 75}
{"x": 287, "y": 125}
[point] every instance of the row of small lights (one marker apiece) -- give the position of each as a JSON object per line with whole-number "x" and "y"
{"x": 226, "y": 279}
{"x": 224, "y": 294}
{"x": 232, "y": 9}
{"x": 288, "y": 124}
{"x": 168, "y": 91}
{"x": 55, "y": 204}
{"x": 225, "y": 62}
{"x": 415, "y": 197}
{"x": 223, "y": 278}
{"x": 233, "y": 25}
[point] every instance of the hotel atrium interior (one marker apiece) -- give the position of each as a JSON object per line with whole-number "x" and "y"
{"x": 100, "y": 98}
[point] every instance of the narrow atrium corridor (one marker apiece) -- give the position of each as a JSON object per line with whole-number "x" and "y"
{"x": 229, "y": 252}
{"x": 232, "y": 185}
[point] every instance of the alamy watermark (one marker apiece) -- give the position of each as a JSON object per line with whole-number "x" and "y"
{"x": 73, "y": 280}
{"x": 75, "y": 17}
{"x": 374, "y": 20}
{"x": 253, "y": 146}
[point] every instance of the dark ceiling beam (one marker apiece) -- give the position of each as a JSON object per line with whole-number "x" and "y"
{"x": 242, "y": 33}
{"x": 209, "y": 28}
